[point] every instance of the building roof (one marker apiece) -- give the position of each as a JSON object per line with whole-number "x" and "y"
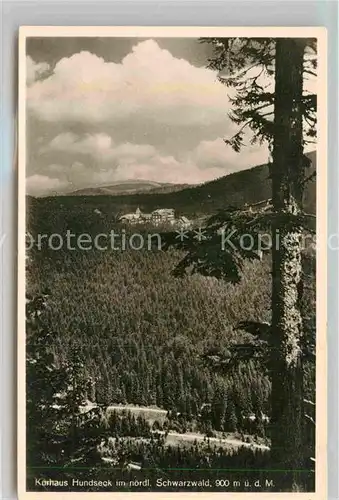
{"x": 129, "y": 217}
{"x": 158, "y": 213}
{"x": 161, "y": 211}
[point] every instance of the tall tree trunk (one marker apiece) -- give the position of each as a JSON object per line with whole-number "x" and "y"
{"x": 288, "y": 172}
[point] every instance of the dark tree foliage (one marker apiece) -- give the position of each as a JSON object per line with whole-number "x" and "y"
{"x": 220, "y": 251}
{"x": 242, "y": 65}
{"x": 140, "y": 348}
{"x": 284, "y": 118}
{"x": 61, "y": 432}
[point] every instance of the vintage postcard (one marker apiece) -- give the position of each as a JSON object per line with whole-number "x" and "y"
{"x": 172, "y": 262}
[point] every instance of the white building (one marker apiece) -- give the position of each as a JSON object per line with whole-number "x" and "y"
{"x": 158, "y": 216}
{"x": 183, "y": 222}
{"x": 132, "y": 218}
{"x": 164, "y": 213}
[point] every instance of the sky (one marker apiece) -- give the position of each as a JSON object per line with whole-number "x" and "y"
{"x": 103, "y": 110}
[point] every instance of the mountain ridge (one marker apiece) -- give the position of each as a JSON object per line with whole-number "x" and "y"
{"x": 248, "y": 186}
{"x": 128, "y": 186}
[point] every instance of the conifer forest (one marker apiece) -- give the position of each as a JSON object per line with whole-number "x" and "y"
{"x": 180, "y": 363}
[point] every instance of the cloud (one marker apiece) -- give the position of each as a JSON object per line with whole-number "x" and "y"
{"x": 152, "y": 116}
{"x": 99, "y": 146}
{"x": 209, "y": 154}
{"x": 149, "y": 83}
{"x": 168, "y": 169}
{"x": 103, "y": 162}
{"x": 37, "y": 185}
{"x": 34, "y": 70}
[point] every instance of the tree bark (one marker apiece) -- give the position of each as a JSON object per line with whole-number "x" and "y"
{"x": 288, "y": 173}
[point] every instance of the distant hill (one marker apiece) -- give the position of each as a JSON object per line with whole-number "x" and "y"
{"x": 128, "y": 187}
{"x": 248, "y": 186}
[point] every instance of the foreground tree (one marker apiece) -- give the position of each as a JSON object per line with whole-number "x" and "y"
{"x": 61, "y": 432}
{"x": 284, "y": 118}
{"x": 288, "y": 180}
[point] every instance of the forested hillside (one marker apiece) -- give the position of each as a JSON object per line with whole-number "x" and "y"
{"x": 248, "y": 186}
{"x": 142, "y": 331}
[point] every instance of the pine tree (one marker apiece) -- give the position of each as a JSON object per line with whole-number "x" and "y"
{"x": 231, "y": 421}
{"x": 218, "y": 407}
{"x": 285, "y": 119}
{"x": 278, "y": 119}
{"x": 60, "y": 430}
{"x": 288, "y": 179}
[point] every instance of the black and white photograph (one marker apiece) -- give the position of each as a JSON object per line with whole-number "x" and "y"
{"x": 172, "y": 328}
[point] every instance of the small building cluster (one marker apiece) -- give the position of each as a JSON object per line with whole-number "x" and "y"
{"x": 157, "y": 217}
